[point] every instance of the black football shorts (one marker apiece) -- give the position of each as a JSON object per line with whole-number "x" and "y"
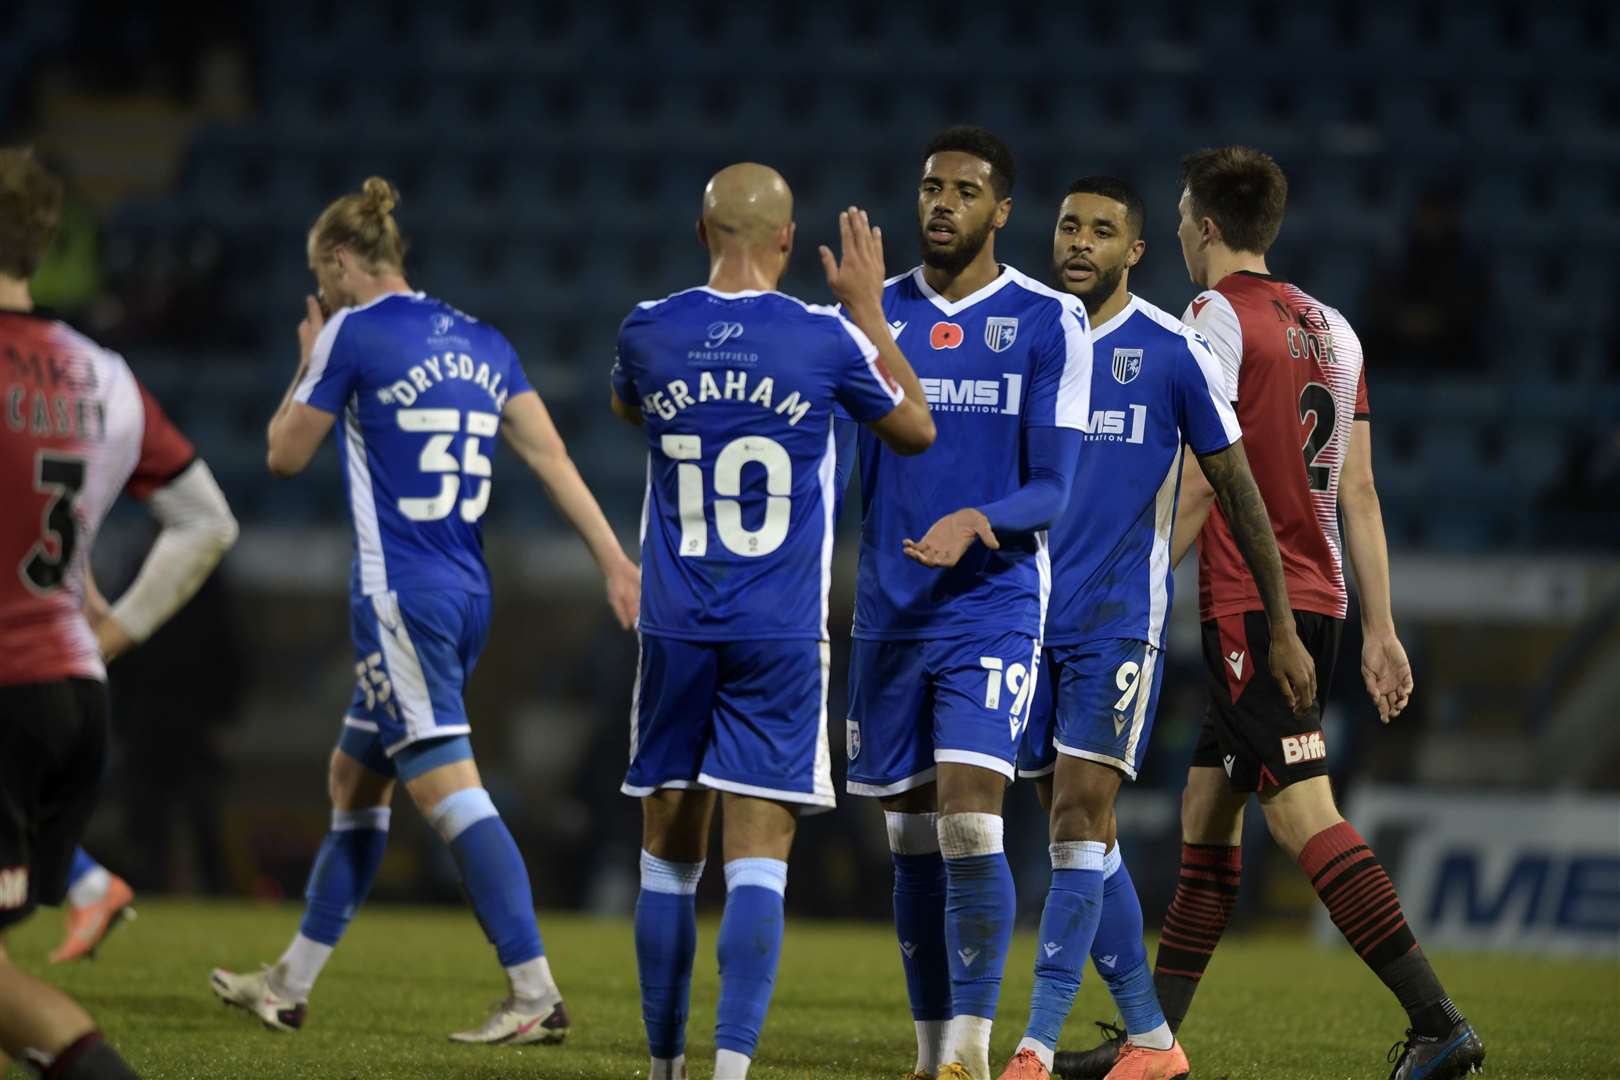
{"x": 1248, "y": 728}
{"x": 53, "y": 746}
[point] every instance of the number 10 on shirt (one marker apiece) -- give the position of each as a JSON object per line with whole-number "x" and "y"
{"x": 728, "y": 467}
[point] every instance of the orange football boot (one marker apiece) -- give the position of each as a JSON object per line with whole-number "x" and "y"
{"x": 88, "y": 927}
{"x": 1140, "y": 1063}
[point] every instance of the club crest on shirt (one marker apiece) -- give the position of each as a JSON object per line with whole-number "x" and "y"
{"x": 1000, "y": 332}
{"x": 1127, "y": 365}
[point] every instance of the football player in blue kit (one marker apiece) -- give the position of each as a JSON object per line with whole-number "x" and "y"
{"x": 954, "y": 574}
{"x": 422, "y": 390}
{"x": 734, "y": 384}
{"x": 1155, "y": 388}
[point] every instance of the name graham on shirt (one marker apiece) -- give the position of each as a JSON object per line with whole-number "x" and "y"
{"x": 436, "y": 369}
{"x": 731, "y": 386}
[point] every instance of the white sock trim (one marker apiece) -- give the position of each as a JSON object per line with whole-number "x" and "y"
{"x": 912, "y": 834}
{"x": 730, "y": 1065}
{"x": 531, "y": 981}
{"x": 1112, "y": 862}
{"x": 668, "y": 1068}
{"x": 1079, "y": 855}
{"x": 764, "y": 873}
{"x": 969, "y": 1043}
{"x": 91, "y": 888}
{"x": 1042, "y": 1051}
{"x": 1160, "y": 1038}
{"x": 369, "y": 817}
{"x": 460, "y": 811}
{"x": 676, "y": 878}
{"x": 964, "y": 835}
{"x": 300, "y": 966}
{"x": 931, "y": 1035}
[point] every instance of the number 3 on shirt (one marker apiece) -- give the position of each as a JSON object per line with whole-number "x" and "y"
{"x": 444, "y": 425}
{"x": 728, "y": 467}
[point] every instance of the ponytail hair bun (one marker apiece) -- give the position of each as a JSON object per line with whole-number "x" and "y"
{"x": 378, "y": 195}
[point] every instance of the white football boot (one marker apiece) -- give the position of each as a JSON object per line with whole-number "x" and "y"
{"x": 258, "y": 995}
{"x": 516, "y": 1024}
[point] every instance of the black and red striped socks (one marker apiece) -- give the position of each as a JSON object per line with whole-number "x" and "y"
{"x": 1361, "y": 900}
{"x": 1206, "y": 893}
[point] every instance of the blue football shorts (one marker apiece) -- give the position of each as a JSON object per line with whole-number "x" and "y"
{"x": 413, "y": 654}
{"x": 747, "y": 717}
{"x": 1094, "y": 701}
{"x": 914, "y": 704}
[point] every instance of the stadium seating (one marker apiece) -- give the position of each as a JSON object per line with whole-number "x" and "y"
{"x": 551, "y": 157}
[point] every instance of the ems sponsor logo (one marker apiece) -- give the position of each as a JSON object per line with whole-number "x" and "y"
{"x": 946, "y": 335}
{"x": 1000, "y": 331}
{"x": 1127, "y": 425}
{"x": 1297, "y": 748}
{"x": 1004, "y": 396}
{"x": 719, "y": 333}
{"x": 13, "y": 887}
{"x": 1127, "y": 365}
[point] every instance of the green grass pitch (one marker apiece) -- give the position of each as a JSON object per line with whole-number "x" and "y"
{"x": 404, "y": 977}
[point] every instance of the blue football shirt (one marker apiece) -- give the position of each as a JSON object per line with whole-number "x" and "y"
{"x": 737, "y": 392}
{"x": 418, "y": 388}
{"x": 1154, "y": 387}
{"x": 1013, "y": 355}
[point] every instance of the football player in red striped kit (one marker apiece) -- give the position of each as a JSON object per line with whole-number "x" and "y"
{"x": 1294, "y": 371}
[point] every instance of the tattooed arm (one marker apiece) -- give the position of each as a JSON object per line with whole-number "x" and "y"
{"x": 1228, "y": 476}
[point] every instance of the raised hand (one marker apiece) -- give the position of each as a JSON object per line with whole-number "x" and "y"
{"x": 857, "y": 279}
{"x": 310, "y": 328}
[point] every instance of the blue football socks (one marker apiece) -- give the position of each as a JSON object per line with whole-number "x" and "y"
{"x": 749, "y": 946}
{"x": 1122, "y": 958}
{"x": 1068, "y": 925}
{"x": 666, "y": 942}
{"x": 979, "y": 909}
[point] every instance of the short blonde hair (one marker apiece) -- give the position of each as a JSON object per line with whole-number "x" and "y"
{"x": 30, "y": 206}
{"x": 363, "y": 222}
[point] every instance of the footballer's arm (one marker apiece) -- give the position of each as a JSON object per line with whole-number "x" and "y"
{"x": 527, "y": 425}
{"x": 1192, "y": 508}
{"x": 1384, "y": 666}
{"x": 1227, "y": 476}
{"x": 197, "y": 529}
{"x": 623, "y": 410}
{"x": 297, "y": 430}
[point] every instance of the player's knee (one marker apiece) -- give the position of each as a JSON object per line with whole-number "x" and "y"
{"x": 459, "y": 811}
{"x": 1210, "y": 817}
{"x": 1080, "y": 815}
{"x": 1300, "y": 811}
